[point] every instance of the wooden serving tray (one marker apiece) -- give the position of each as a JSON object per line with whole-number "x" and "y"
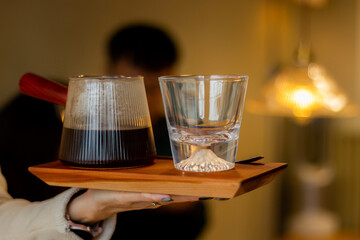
{"x": 162, "y": 177}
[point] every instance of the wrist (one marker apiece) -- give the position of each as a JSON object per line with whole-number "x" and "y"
{"x": 78, "y": 220}
{"x": 84, "y": 231}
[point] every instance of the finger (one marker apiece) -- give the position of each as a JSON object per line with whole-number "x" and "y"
{"x": 124, "y": 201}
{"x": 134, "y": 197}
{"x": 181, "y": 198}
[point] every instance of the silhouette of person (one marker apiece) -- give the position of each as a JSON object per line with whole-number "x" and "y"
{"x": 31, "y": 133}
{"x": 147, "y": 50}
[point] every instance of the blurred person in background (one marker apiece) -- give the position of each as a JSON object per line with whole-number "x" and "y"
{"x": 147, "y": 50}
{"x": 31, "y": 133}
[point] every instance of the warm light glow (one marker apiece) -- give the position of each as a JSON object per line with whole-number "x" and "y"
{"x": 302, "y": 92}
{"x": 301, "y": 99}
{"x": 336, "y": 104}
{"x": 62, "y": 115}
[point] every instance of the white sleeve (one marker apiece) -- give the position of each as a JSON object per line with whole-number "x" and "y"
{"x": 45, "y": 220}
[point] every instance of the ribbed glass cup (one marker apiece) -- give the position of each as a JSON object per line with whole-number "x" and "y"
{"x": 107, "y": 123}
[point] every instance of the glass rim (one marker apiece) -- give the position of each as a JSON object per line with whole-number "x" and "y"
{"x": 197, "y": 77}
{"x": 106, "y": 77}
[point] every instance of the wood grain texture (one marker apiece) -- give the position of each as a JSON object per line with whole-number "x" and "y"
{"x": 38, "y": 87}
{"x": 162, "y": 177}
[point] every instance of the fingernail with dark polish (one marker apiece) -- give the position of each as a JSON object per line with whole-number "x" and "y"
{"x": 222, "y": 199}
{"x": 167, "y": 200}
{"x": 205, "y": 198}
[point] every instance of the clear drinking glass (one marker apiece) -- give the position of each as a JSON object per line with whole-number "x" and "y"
{"x": 107, "y": 123}
{"x": 203, "y": 114}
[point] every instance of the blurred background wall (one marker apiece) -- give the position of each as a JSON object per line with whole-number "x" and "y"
{"x": 62, "y": 38}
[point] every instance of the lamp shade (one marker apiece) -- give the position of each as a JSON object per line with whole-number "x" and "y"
{"x": 302, "y": 92}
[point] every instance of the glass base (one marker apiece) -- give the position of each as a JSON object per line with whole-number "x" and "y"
{"x": 204, "y": 160}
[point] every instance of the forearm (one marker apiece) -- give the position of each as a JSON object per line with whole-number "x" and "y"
{"x": 20, "y": 219}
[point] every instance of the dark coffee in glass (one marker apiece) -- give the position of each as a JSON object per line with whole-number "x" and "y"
{"x": 107, "y": 123}
{"x": 107, "y": 148}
